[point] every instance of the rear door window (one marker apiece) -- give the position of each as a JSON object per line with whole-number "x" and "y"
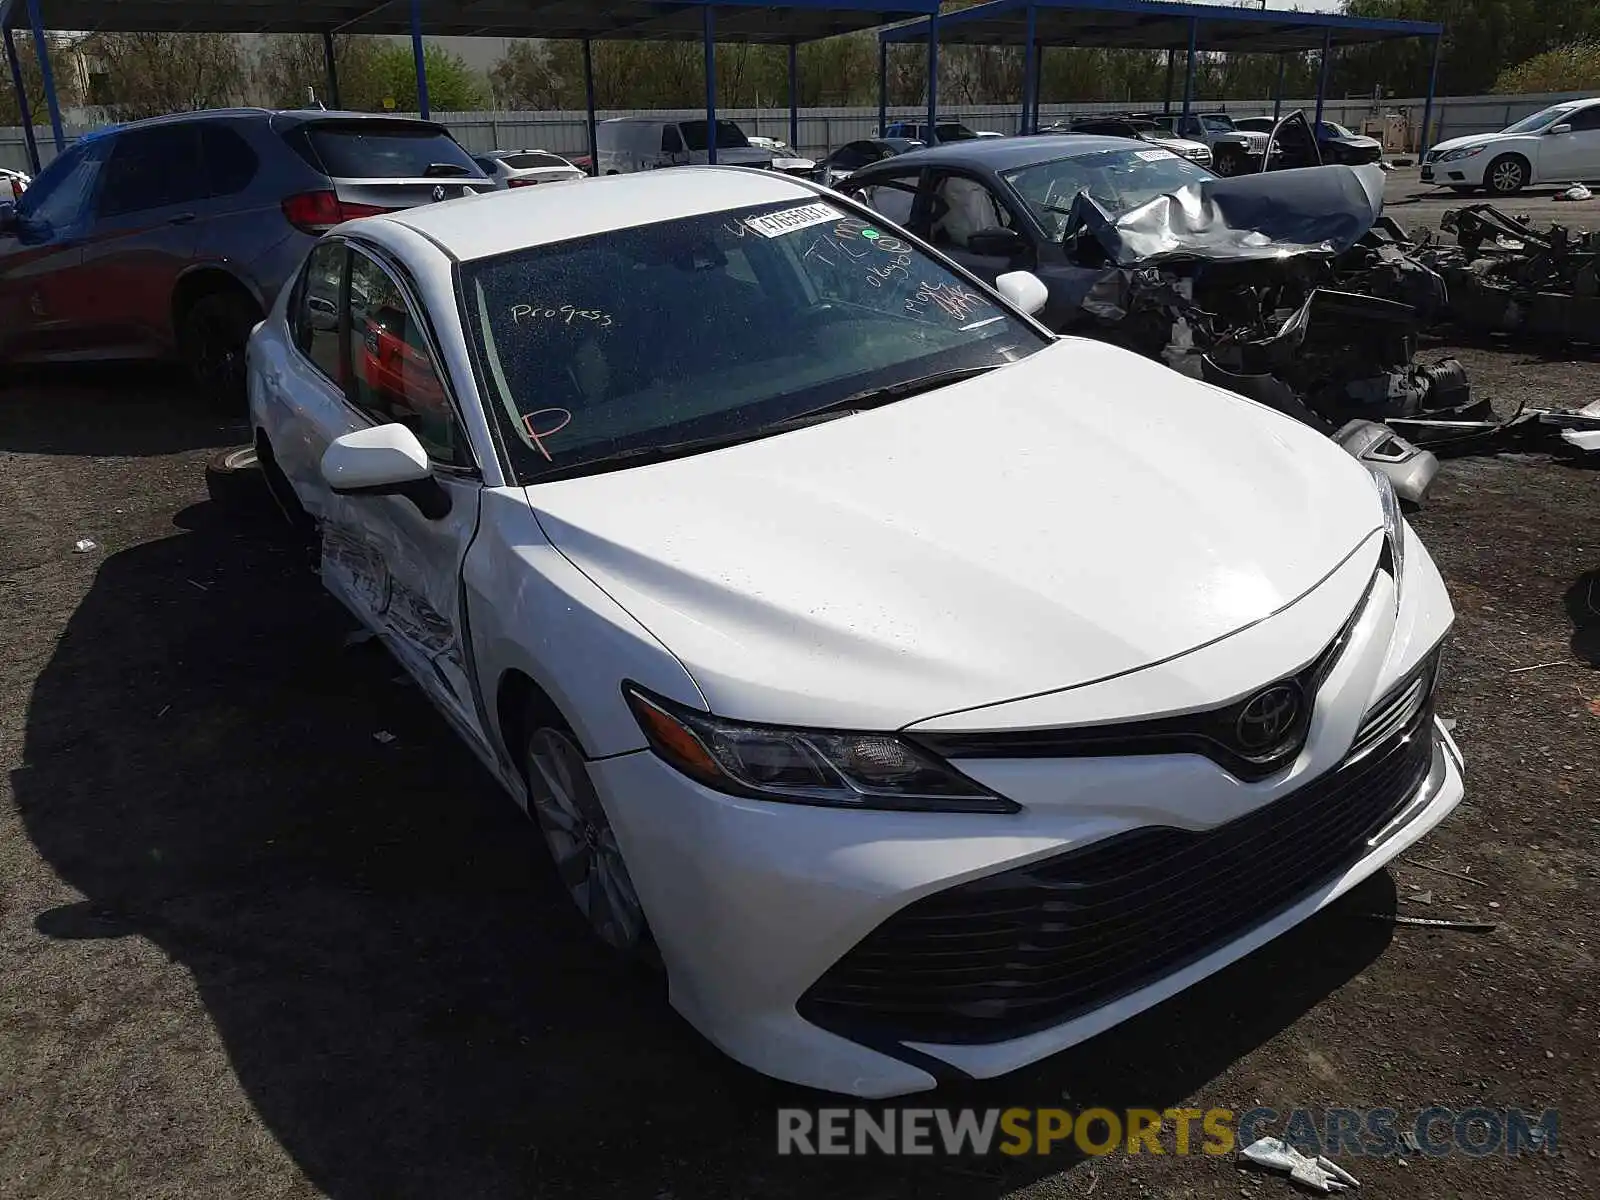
{"x": 230, "y": 162}
{"x": 385, "y": 150}
{"x": 153, "y": 168}
{"x": 314, "y": 316}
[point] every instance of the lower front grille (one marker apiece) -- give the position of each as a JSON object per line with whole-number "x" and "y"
{"x": 1009, "y": 954}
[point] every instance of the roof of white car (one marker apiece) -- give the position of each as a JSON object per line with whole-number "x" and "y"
{"x": 495, "y": 222}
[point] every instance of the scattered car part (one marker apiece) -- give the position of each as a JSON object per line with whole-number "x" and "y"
{"x": 1410, "y": 469}
{"x": 1318, "y": 1173}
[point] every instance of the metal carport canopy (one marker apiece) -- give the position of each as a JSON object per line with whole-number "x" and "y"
{"x": 1151, "y": 25}
{"x": 706, "y": 21}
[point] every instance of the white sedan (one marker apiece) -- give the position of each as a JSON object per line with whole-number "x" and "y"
{"x": 526, "y": 168}
{"x": 1559, "y": 144}
{"x": 928, "y": 693}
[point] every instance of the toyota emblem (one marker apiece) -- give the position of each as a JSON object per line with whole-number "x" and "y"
{"x": 1269, "y": 716}
{"x": 438, "y": 193}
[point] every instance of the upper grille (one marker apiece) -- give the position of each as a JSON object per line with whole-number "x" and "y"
{"x": 1029, "y": 948}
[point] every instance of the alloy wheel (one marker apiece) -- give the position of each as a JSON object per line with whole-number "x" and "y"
{"x": 1506, "y": 176}
{"x": 581, "y": 840}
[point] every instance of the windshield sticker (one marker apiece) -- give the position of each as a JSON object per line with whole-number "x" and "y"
{"x": 791, "y": 219}
{"x": 1152, "y": 155}
{"x": 854, "y": 228}
{"x": 566, "y": 314}
{"x": 555, "y": 420}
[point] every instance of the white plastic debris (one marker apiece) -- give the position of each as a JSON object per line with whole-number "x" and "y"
{"x": 83, "y": 546}
{"x": 1319, "y": 1174}
{"x": 1575, "y": 192}
{"x": 383, "y": 737}
{"x": 1583, "y": 439}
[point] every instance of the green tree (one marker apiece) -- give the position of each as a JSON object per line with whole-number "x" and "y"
{"x": 1574, "y": 68}
{"x": 289, "y": 64}
{"x": 151, "y": 74}
{"x": 452, "y": 85}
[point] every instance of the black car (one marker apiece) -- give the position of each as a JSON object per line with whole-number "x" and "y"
{"x": 852, "y": 156}
{"x": 1002, "y": 204}
{"x": 1341, "y": 145}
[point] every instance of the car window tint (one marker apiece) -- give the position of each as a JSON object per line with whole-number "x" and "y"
{"x": 713, "y": 325}
{"x": 533, "y": 158}
{"x": 230, "y": 161}
{"x": 315, "y": 315}
{"x": 60, "y": 194}
{"x": 386, "y": 150}
{"x": 1585, "y": 119}
{"x": 671, "y": 142}
{"x": 392, "y": 374}
{"x": 153, "y": 168}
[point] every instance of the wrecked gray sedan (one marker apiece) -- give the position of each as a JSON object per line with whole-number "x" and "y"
{"x": 1288, "y": 287}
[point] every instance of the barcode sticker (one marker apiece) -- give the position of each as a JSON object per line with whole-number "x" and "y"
{"x": 791, "y": 219}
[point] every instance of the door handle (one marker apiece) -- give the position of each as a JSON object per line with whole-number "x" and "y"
{"x": 180, "y": 219}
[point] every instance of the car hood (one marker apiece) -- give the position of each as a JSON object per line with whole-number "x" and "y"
{"x": 1073, "y": 516}
{"x": 1474, "y": 139}
{"x": 1176, "y": 144}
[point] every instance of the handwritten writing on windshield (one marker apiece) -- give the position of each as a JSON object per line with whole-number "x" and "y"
{"x": 543, "y": 423}
{"x": 566, "y": 314}
{"x": 953, "y": 299}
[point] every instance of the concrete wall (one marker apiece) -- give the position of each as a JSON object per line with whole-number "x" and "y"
{"x": 824, "y": 128}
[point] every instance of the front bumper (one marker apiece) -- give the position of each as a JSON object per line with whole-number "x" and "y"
{"x": 758, "y": 907}
{"x": 1460, "y": 172}
{"x": 752, "y": 906}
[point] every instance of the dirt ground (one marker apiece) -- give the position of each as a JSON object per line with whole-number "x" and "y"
{"x": 1418, "y": 205}
{"x": 246, "y": 950}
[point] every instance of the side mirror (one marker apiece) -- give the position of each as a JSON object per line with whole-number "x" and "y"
{"x": 385, "y": 460}
{"x": 1024, "y": 290}
{"x": 1560, "y": 129}
{"x": 996, "y": 242}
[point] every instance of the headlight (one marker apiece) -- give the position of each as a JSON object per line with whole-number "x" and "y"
{"x": 805, "y": 766}
{"x": 1464, "y": 152}
{"x": 1394, "y": 526}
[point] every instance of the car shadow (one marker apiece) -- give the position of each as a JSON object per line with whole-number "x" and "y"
{"x": 403, "y": 990}
{"x": 1583, "y": 607}
{"x": 117, "y": 409}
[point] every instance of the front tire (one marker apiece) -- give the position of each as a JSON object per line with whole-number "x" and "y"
{"x": 563, "y": 801}
{"x": 211, "y": 337}
{"x": 1506, "y": 175}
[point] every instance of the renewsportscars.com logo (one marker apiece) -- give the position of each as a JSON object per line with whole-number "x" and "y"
{"x": 1351, "y": 1132}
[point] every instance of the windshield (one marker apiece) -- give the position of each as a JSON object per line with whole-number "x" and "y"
{"x": 1333, "y": 129}
{"x": 953, "y": 132}
{"x": 1539, "y": 120}
{"x": 385, "y": 150}
{"x": 729, "y": 135}
{"x": 534, "y": 158}
{"x": 1217, "y": 124}
{"x": 713, "y": 325}
{"x": 1117, "y": 180}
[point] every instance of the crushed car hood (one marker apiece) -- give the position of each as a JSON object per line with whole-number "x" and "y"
{"x": 1076, "y": 515}
{"x": 1272, "y": 215}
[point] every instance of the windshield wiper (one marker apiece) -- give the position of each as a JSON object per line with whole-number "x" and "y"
{"x": 434, "y": 170}
{"x": 889, "y": 393}
{"x": 639, "y": 456}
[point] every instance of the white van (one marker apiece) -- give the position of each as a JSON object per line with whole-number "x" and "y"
{"x": 646, "y": 143}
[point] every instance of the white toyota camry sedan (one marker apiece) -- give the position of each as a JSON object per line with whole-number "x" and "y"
{"x": 926, "y": 692}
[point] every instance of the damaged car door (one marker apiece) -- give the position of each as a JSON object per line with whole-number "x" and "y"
{"x": 420, "y": 537}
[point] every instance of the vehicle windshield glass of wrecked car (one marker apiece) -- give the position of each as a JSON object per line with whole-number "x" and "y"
{"x": 713, "y": 326}
{"x": 1117, "y": 180}
{"x": 1539, "y": 120}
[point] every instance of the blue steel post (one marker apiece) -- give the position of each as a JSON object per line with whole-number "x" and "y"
{"x": 883, "y": 86}
{"x": 417, "y": 58}
{"x": 933, "y": 74}
{"x": 331, "y": 63}
{"x": 1322, "y": 75}
{"x": 709, "y": 27}
{"x": 794, "y": 97}
{"x": 1277, "y": 92}
{"x": 23, "y": 112}
{"x": 1038, "y": 75}
{"x": 1172, "y": 64}
{"x": 588, "y": 101}
{"x": 1188, "y": 73}
{"x": 1427, "y": 105}
{"x": 46, "y": 74}
{"x": 1030, "y": 115}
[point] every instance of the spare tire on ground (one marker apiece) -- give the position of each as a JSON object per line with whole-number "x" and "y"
{"x": 234, "y": 480}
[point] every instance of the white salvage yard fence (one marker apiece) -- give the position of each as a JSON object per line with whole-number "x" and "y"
{"x": 823, "y": 129}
